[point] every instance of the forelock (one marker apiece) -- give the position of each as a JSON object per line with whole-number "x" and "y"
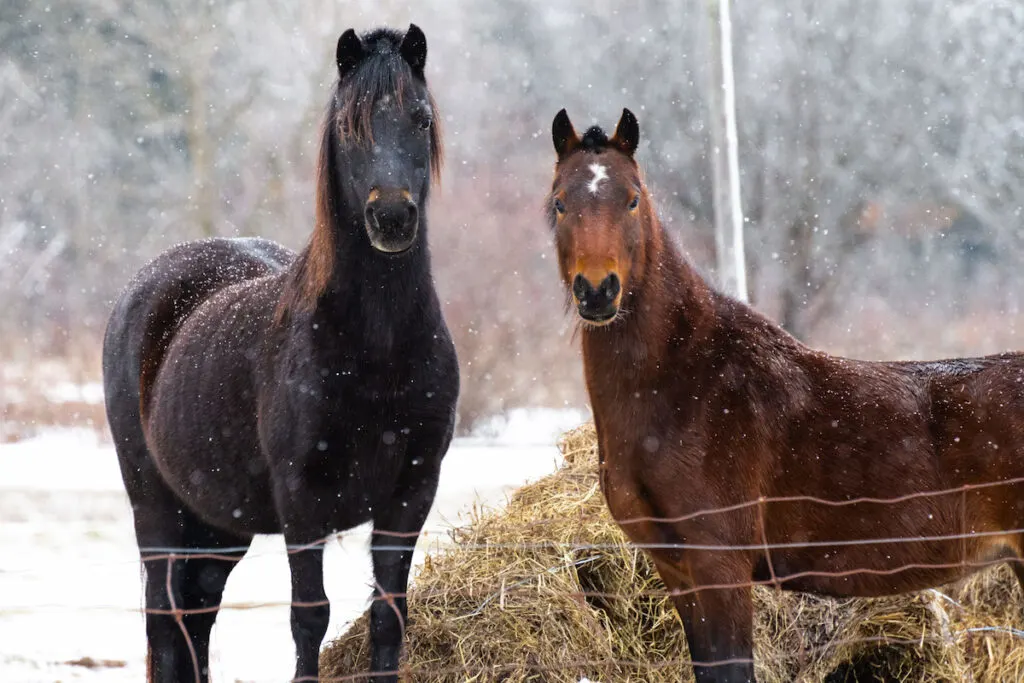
{"x": 594, "y": 139}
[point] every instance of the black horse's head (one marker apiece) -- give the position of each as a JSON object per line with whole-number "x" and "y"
{"x": 385, "y": 128}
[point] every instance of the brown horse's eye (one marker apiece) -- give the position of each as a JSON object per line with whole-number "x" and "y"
{"x": 424, "y": 123}
{"x": 559, "y": 206}
{"x": 634, "y": 203}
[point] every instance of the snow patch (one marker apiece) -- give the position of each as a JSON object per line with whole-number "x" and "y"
{"x": 60, "y": 460}
{"x": 61, "y": 497}
{"x": 527, "y": 427}
{"x": 69, "y": 392}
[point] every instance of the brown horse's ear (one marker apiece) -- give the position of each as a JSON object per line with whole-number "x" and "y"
{"x": 414, "y": 48}
{"x": 627, "y": 133}
{"x": 564, "y": 135}
{"x": 350, "y": 52}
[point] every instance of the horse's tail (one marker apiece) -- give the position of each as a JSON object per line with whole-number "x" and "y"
{"x": 162, "y": 295}
{"x": 140, "y": 329}
{"x": 175, "y": 301}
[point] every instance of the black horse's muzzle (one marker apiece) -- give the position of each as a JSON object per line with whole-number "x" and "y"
{"x": 392, "y": 220}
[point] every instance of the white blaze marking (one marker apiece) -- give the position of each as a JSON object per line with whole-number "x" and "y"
{"x": 599, "y": 175}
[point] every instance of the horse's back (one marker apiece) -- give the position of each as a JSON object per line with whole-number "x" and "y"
{"x": 152, "y": 307}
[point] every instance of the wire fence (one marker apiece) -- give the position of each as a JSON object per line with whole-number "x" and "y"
{"x": 424, "y": 673}
{"x": 954, "y": 567}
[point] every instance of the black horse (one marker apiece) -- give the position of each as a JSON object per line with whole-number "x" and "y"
{"x": 254, "y": 391}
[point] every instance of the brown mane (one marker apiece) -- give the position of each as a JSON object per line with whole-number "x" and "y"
{"x": 349, "y": 117}
{"x": 315, "y": 263}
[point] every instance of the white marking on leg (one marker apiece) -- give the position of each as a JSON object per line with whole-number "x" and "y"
{"x": 599, "y": 174}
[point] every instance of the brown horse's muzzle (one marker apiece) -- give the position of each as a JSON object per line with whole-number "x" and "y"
{"x": 597, "y": 304}
{"x": 392, "y": 220}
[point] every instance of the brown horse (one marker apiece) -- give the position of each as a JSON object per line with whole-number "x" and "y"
{"x": 735, "y": 454}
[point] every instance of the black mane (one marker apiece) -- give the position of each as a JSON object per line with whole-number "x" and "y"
{"x": 381, "y": 73}
{"x": 382, "y": 41}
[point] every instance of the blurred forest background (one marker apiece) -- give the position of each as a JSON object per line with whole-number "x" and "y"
{"x": 881, "y": 149}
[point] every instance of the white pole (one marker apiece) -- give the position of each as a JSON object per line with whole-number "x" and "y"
{"x": 732, "y": 272}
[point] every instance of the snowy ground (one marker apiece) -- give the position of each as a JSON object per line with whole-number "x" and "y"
{"x": 70, "y": 586}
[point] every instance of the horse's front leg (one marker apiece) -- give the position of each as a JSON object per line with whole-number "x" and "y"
{"x": 403, "y": 516}
{"x": 310, "y": 609}
{"x": 719, "y": 621}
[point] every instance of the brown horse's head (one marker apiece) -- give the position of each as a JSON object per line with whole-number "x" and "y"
{"x": 599, "y": 210}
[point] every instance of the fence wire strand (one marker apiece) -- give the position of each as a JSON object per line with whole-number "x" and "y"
{"x": 760, "y": 543}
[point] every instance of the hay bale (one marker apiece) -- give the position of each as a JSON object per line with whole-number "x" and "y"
{"x": 504, "y": 603}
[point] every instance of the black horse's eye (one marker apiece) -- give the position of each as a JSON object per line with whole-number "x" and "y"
{"x": 635, "y": 203}
{"x": 559, "y": 206}
{"x": 422, "y": 118}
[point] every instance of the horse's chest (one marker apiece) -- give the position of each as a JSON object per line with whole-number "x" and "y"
{"x": 359, "y": 426}
{"x": 344, "y": 427}
{"x": 361, "y": 399}
{"x": 338, "y": 464}
{"x": 358, "y": 429}
{"x": 647, "y": 470}
{"x": 623, "y": 490}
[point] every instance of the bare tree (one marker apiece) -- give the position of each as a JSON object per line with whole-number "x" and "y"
{"x": 880, "y": 152}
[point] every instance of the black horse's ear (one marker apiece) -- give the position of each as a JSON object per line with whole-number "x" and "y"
{"x": 564, "y": 135}
{"x": 350, "y": 52}
{"x": 414, "y": 48}
{"x": 627, "y": 133}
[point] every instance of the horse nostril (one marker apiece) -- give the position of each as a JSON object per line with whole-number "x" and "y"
{"x": 611, "y": 286}
{"x": 410, "y": 213}
{"x": 369, "y": 215}
{"x": 580, "y": 287}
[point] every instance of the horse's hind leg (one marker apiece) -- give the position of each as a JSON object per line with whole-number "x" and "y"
{"x": 160, "y": 526}
{"x": 165, "y": 531}
{"x": 186, "y": 571}
{"x": 206, "y": 574}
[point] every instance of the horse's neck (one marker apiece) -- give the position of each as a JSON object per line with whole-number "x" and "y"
{"x": 382, "y": 293}
{"x": 373, "y": 300}
{"x": 666, "y": 314}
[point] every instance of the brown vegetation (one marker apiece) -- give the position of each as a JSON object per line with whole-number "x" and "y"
{"x": 38, "y": 390}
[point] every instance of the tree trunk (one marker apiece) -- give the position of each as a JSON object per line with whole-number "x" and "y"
{"x": 204, "y": 197}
